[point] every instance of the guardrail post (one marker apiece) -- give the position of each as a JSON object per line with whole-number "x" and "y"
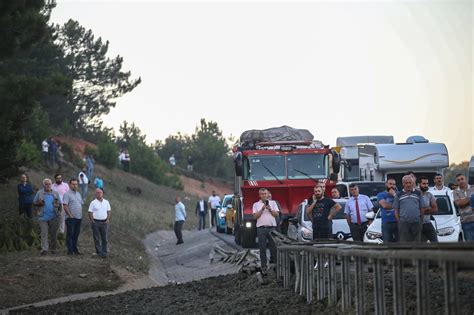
{"x": 297, "y": 258}
{"x": 320, "y": 279}
{"x": 303, "y": 272}
{"x": 398, "y": 288}
{"x": 450, "y": 288}
{"x": 332, "y": 280}
{"x": 346, "y": 283}
{"x": 379, "y": 288}
{"x": 360, "y": 286}
{"x": 422, "y": 296}
{"x": 278, "y": 263}
{"x": 309, "y": 284}
{"x": 286, "y": 269}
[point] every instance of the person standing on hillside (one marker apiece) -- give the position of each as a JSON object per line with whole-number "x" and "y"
{"x": 201, "y": 210}
{"x": 72, "y": 204}
{"x": 25, "y": 197}
{"x": 99, "y": 214}
{"x": 61, "y": 188}
{"x": 172, "y": 160}
{"x": 53, "y": 151}
{"x": 45, "y": 151}
{"x": 180, "y": 217}
{"x": 90, "y": 166}
{"x": 60, "y": 157}
{"x": 83, "y": 183}
{"x": 99, "y": 182}
{"x": 125, "y": 160}
{"x": 190, "y": 163}
{"x": 48, "y": 207}
{"x": 214, "y": 202}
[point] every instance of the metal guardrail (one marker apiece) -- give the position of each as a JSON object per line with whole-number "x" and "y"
{"x": 358, "y": 258}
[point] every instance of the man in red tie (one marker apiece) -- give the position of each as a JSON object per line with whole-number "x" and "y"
{"x": 356, "y": 209}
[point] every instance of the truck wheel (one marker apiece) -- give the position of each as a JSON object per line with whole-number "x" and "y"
{"x": 238, "y": 236}
{"x": 248, "y": 240}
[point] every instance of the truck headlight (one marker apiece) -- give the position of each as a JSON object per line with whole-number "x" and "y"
{"x": 248, "y": 225}
{"x": 373, "y": 235}
{"x": 446, "y": 231}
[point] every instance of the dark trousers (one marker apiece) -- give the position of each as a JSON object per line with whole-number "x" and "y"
{"x": 178, "y": 231}
{"x": 468, "y": 230}
{"x": 213, "y": 217}
{"x": 390, "y": 232}
{"x": 409, "y": 232}
{"x": 100, "y": 231}
{"x": 428, "y": 233}
{"x": 358, "y": 231}
{"x": 323, "y": 231}
{"x": 26, "y": 209}
{"x": 202, "y": 220}
{"x": 265, "y": 241}
{"x": 73, "y": 228}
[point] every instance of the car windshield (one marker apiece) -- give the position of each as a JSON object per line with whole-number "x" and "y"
{"x": 444, "y": 205}
{"x": 269, "y": 167}
{"x": 301, "y": 166}
{"x": 371, "y": 189}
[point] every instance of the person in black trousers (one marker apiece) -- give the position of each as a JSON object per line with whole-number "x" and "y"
{"x": 201, "y": 210}
{"x": 25, "y": 197}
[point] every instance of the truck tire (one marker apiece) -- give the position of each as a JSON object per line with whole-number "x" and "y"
{"x": 248, "y": 240}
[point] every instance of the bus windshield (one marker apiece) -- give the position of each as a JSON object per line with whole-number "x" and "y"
{"x": 303, "y": 166}
{"x": 269, "y": 167}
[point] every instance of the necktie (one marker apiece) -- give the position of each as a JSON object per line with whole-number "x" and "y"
{"x": 359, "y": 221}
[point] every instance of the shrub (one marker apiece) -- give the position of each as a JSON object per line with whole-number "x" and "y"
{"x": 28, "y": 154}
{"x": 107, "y": 153}
{"x": 88, "y": 150}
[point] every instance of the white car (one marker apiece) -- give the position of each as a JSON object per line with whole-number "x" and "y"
{"x": 301, "y": 227}
{"x": 446, "y": 222}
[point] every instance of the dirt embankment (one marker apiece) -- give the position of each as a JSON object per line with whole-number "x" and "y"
{"x": 204, "y": 188}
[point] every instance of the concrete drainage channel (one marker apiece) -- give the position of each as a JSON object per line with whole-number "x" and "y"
{"x": 389, "y": 265}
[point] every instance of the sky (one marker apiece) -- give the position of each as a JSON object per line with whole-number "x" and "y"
{"x": 337, "y": 68}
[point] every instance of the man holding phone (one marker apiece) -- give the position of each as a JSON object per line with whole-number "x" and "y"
{"x": 265, "y": 211}
{"x": 389, "y": 222}
{"x": 321, "y": 210}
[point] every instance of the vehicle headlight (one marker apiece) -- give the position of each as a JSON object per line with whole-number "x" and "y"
{"x": 307, "y": 234}
{"x": 373, "y": 235}
{"x": 446, "y": 231}
{"x": 222, "y": 214}
{"x": 248, "y": 225}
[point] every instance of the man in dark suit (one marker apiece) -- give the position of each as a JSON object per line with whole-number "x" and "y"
{"x": 201, "y": 210}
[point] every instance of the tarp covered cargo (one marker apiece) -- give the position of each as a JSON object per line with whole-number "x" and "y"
{"x": 355, "y": 140}
{"x": 284, "y": 133}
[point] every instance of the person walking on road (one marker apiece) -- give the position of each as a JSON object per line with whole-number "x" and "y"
{"x": 48, "y": 207}
{"x": 462, "y": 198}
{"x": 321, "y": 210}
{"x": 72, "y": 204}
{"x": 439, "y": 185}
{"x": 180, "y": 217}
{"x": 355, "y": 211}
{"x": 83, "y": 183}
{"x": 214, "y": 202}
{"x": 62, "y": 188}
{"x": 408, "y": 211}
{"x": 25, "y": 197}
{"x": 389, "y": 221}
{"x": 429, "y": 207}
{"x": 99, "y": 214}
{"x": 201, "y": 210}
{"x": 265, "y": 212}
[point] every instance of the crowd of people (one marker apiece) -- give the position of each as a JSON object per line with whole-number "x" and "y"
{"x": 58, "y": 207}
{"x": 52, "y": 153}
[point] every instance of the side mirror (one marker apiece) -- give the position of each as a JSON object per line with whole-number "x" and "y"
{"x": 239, "y": 170}
{"x": 370, "y": 215}
{"x": 336, "y": 161}
{"x": 333, "y": 177}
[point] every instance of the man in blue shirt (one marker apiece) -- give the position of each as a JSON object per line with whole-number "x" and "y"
{"x": 180, "y": 217}
{"x": 48, "y": 207}
{"x": 389, "y": 222}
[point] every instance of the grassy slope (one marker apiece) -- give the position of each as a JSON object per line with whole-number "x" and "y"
{"x": 132, "y": 218}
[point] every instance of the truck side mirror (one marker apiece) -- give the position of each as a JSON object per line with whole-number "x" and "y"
{"x": 239, "y": 170}
{"x": 336, "y": 161}
{"x": 333, "y": 177}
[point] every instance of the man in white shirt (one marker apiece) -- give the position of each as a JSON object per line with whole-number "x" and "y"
{"x": 180, "y": 217}
{"x": 99, "y": 214}
{"x": 214, "y": 202}
{"x": 83, "y": 183}
{"x": 61, "y": 188}
{"x": 439, "y": 185}
{"x": 265, "y": 211}
{"x": 45, "y": 150}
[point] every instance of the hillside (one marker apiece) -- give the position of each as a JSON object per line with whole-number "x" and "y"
{"x": 133, "y": 217}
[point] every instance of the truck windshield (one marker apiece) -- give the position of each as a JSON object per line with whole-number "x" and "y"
{"x": 301, "y": 166}
{"x": 270, "y": 167}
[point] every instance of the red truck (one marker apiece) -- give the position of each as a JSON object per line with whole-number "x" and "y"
{"x": 289, "y": 168}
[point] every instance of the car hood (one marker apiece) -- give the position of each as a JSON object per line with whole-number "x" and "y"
{"x": 443, "y": 221}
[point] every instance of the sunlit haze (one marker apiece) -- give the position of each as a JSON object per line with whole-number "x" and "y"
{"x": 335, "y": 68}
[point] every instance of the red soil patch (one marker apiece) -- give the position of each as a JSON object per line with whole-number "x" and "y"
{"x": 197, "y": 188}
{"x": 78, "y": 145}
